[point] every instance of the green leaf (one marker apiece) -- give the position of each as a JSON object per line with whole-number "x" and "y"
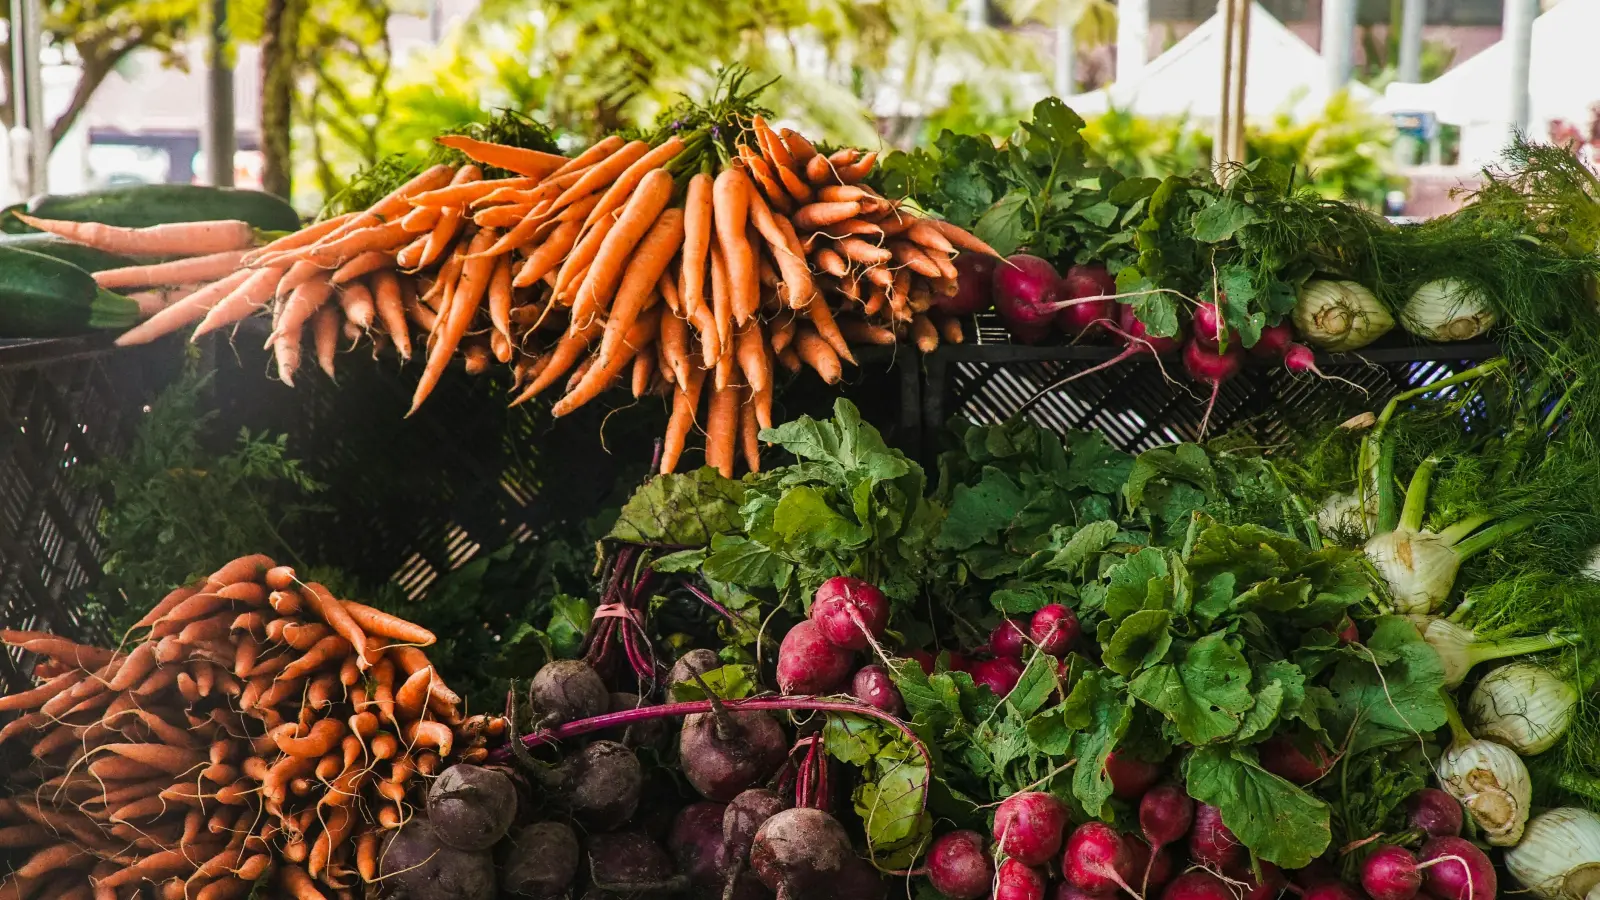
{"x": 569, "y": 622}
{"x": 742, "y": 561}
{"x": 1279, "y": 822}
{"x": 1222, "y": 220}
{"x": 1280, "y": 691}
{"x": 1099, "y": 711}
{"x": 1400, "y": 702}
{"x": 1138, "y": 582}
{"x": 1037, "y": 683}
{"x": 978, "y": 513}
{"x": 1004, "y": 226}
{"x": 1184, "y": 462}
{"x": 727, "y": 682}
{"x": 1082, "y": 546}
{"x": 1205, "y": 695}
{"x": 1141, "y": 640}
{"x": 682, "y": 561}
{"x": 804, "y": 516}
{"x": 681, "y": 509}
{"x": 844, "y": 443}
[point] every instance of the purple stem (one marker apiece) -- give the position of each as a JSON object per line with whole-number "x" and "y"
{"x": 706, "y": 599}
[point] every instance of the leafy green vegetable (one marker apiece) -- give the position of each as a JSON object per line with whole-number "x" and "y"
{"x": 682, "y": 510}
{"x": 1391, "y": 691}
{"x": 1279, "y": 822}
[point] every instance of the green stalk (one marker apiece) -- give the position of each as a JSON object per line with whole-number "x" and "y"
{"x": 1455, "y": 533}
{"x": 1459, "y": 735}
{"x": 1416, "y": 505}
{"x": 1486, "y": 538}
{"x": 1393, "y": 406}
{"x": 1560, "y": 407}
{"x": 1582, "y": 785}
{"x": 1388, "y": 515}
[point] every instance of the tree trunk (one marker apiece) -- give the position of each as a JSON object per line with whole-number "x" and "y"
{"x": 280, "y": 28}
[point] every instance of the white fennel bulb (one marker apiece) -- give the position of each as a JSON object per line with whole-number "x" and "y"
{"x": 1339, "y": 315}
{"x": 1492, "y": 783}
{"x": 1460, "y": 649}
{"x": 1559, "y": 855}
{"x": 1591, "y": 567}
{"x": 1522, "y": 705}
{"x": 1447, "y": 309}
{"x": 1418, "y": 566}
{"x": 1343, "y": 514}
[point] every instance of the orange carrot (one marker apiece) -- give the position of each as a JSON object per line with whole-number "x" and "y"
{"x": 786, "y": 249}
{"x": 822, "y": 320}
{"x": 286, "y": 353}
{"x": 821, "y": 214}
{"x": 721, "y": 305}
{"x": 574, "y": 268}
{"x": 852, "y": 172}
{"x": 685, "y": 400}
{"x": 500, "y": 297}
{"x": 412, "y": 695}
{"x": 644, "y": 365}
{"x": 961, "y": 238}
{"x": 796, "y": 186}
{"x": 303, "y": 302}
{"x": 566, "y": 354}
{"x": 180, "y": 271}
{"x": 771, "y": 146}
{"x": 501, "y": 217}
{"x": 637, "y": 289}
{"x": 251, "y": 295}
{"x": 300, "y": 272}
{"x": 381, "y": 624}
{"x": 474, "y": 281}
{"x": 599, "y": 377}
{"x": 705, "y": 325}
{"x": 529, "y": 163}
{"x": 36, "y": 697}
{"x": 356, "y": 302}
{"x": 819, "y": 169}
{"x": 331, "y": 610}
{"x": 325, "y": 336}
{"x": 428, "y": 734}
{"x": 391, "y": 311}
{"x": 601, "y": 173}
{"x": 765, "y": 179}
{"x": 722, "y": 427}
{"x": 730, "y": 198}
{"x": 298, "y": 884}
{"x": 467, "y": 187}
{"x": 398, "y": 202}
{"x": 321, "y": 738}
{"x": 640, "y": 215}
{"x": 697, "y": 222}
{"x": 857, "y": 250}
{"x": 596, "y": 152}
{"x": 182, "y": 312}
{"x": 617, "y": 194}
{"x": 752, "y": 356}
{"x": 367, "y": 856}
{"x": 303, "y": 238}
{"x": 420, "y": 220}
{"x": 674, "y": 346}
{"x": 548, "y": 253}
{"x": 817, "y": 354}
{"x": 172, "y": 239}
{"x": 364, "y": 264}
{"x": 172, "y": 760}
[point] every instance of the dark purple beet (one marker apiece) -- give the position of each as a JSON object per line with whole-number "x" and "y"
{"x": 695, "y": 842}
{"x": 974, "y": 281}
{"x": 721, "y": 765}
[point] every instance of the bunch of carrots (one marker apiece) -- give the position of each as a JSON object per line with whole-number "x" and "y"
{"x": 261, "y": 731}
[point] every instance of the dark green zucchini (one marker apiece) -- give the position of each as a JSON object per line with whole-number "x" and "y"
{"x": 142, "y": 205}
{"x": 88, "y": 259}
{"x": 41, "y": 296}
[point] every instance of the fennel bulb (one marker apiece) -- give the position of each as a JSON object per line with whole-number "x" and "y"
{"x": 1418, "y": 566}
{"x": 1344, "y": 514}
{"x": 1447, "y": 309}
{"x": 1522, "y": 705}
{"x": 1460, "y": 649}
{"x": 1339, "y": 315}
{"x": 1492, "y": 783}
{"x": 1559, "y": 855}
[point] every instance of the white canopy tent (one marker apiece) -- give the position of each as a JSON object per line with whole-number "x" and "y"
{"x": 1563, "y": 83}
{"x": 1285, "y": 75}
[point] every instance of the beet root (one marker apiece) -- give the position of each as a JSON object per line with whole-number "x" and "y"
{"x": 723, "y": 755}
{"x": 695, "y": 662}
{"x": 471, "y": 807}
{"x": 602, "y": 784}
{"x": 743, "y": 818}
{"x": 630, "y": 864}
{"x": 695, "y": 842}
{"x": 566, "y": 690}
{"x": 541, "y": 862}
{"x": 418, "y": 866}
{"x": 800, "y": 853}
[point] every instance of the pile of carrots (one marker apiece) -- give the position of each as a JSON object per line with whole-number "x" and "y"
{"x": 261, "y": 732}
{"x": 691, "y": 267}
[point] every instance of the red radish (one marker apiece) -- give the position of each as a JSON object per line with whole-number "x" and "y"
{"x": 1006, "y": 639}
{"x": 1093, "y": 286}
{"x": 1434, "y": 813}
{"x": 1097, "y": 860}
{"x": 974, "y": 278}
{"x": 1198, "y": 885}
{"x": 1028, "y": 826}
{"x": 873, "y": 686}
{"x": 1025, "y": 287}
{"x": 1066, "y": 890}
{"x": 1332, "y": 890}
{"x": 1318, "y": 871}
{"x": 1208, "y": 327}
{"x": 1457, "y": 870}
{"x": 958, "y": 867}
{"x": 1165, "y": 814}
{"x": 998, "y": 675}
{"x": 1130, "y": 777}
{"x": 809, "y": 663}
{"x": 1348, "y": 633}
{"x": 1210, "y": 841}
{"x": 955, "y": 662}
{"x": 849, "y": 612}
{"x": 1272, "y": 881}
{"x": 1282, "y": 756}
{"x": 1053, "y": 628}
{"x": 1018, "y": 881}
{"x": 1299, "y": 358}
{"x": 1207, "y": 367}
{"x": 1391, "y": 873}
{"x": 923, "y": 659}
{"x": 1158, "y": 863}
{"x": 1139, "y": 342}
{"x": 1274, "y": 341}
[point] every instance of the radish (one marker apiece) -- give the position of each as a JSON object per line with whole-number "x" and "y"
{"x": 1457, "y": 870}
{"x": 1274, "y": 341}
{"x": 1066, "y": 890}
{"x": 958, "y": 867}
{"x": 808, "y": 663}
{"x": 873, "y": 686}
{"x": 1165, "y": 814}
{"x": 1130, "y": 777}
{"x": 1391, "y": 873}
{"x": 1210, "y": 841}
{"x": 1097, "y": 860}
{"x": 1272, "y": 881}
{"x": 849, "y": 612}
{"x": 1198, "y": 885}
{"x": 974, "y": 278}
{"x": 1092, "y": 285}
{"x": 1281, "y": 756}
{"x": 1299, "y": 358}
{"x": 1025, "y": 287}
{"x": 1053, "y": 628}
{"x": 1434, "y": 813}
{"x": 1208, "y": 327}
{"x": 1006, "y": 639}
{"x": 1207, "y": 367}
{"x": 1028, "y": 826}
{"x": 923, "y": 659}
{"x": 998, "y": 675}
{"x": 1332, "y": 890}
{"x": 956, "y": 662}
{"x": 1156, "y": 867}
{"x": 1018, "y": 881}
{"x": 1139, "y": 342}
{"x": 1348, "y": 632}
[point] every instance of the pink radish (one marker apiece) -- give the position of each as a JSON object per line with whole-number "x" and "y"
{"x": 1272, "y": 881}
{"x": 1210, "y": 841}
{"x": 1053, "y": 628}
{"x": 1165, "y": 815}
{"x": 808, "y": 663}
{"x": 1139, "y": 342}
{"x": 1025, "y": 289}
{"x": 1208, "y": 329}
{"x": 923, "y": 659}
{"x": 874, "y": 687}
{"x": 1282, "y": 756}
{"x": 1391, "y": 873}
{"x": 1066, "y": 890}
{"x": 1097, "y": 860}
{"x": 1028, "y": 826}
{"x": 850, "y": 612}
{"x": 1093, "y": 286}
{"x": 1198, "y": 885}
{"x": 998, "y": 675}
{"x": 1274, "y": 341}
{"x": 1332, "y": 890}
{"x": 1130, "y": 777}
{"x": 1007, "y": 639}
{"x": 1018, "y": 881}
{"x": 1159, "y": 864}
{"x": 1207, "y": 367}
{"x": 1434, "y": 813}
{"x": 1457, "y": 870}
{"x": 974, "y": 280}
{"x": 1348, "y": 632}
{"x": 1299, "y": 358}
{"x": 958, "y": 867}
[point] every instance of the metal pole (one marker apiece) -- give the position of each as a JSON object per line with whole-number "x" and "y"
{"x": 1413, "y": 17}
{"x": 1338, "y": 41}
{"x": 1518, "y": 35}
{"x": 38, "y": 132}
{"x": 1066, "y": 49}
{"x": 1220, "y": 143}
{"x": 219, "y": 133}
{"x": 21, "y": 150}
{"x": 1241, "y": 67}
{"x": 1133, "y": 38}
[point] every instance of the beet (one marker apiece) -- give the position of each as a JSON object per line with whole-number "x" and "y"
{"x": 541, "y": 862}
{"x": 1025, "y": 287}
{"x": 808, "y": 663}
{"x": 1085, "y": 318}
{"x": 415, "y": 864}
{"x": 849, "y": 611}
{"x": 1198, "y": 885}
{"x": 1008, "y": 639}
{"x": 874, "y": 687}
{"x": 800, "y": 853}
{"x": 722, "y": 757}
{"x": 998, "y": 675}
{"x": 629, "y": 863}
{"x": 958, "y": 867}
{"x": 602, "y": 784}
{"x": 1053, "y": 628}
{"x": 1210, "y": 841}
{"x": 1028, "y": 826}
{"x": 643, "y": 733}
{"x": 974, "y": 280}
{"x": 1282, "y": 756}
{"x": 1130, "y": 777}
{"x": 1468, "y": 877}
{"x": 1018, "y": 881}
{"x": 695, "y": 842}
{"x": 858, "y": 880}
{"x": 1435, "y": 813}
{"x": 471, "y": 807}
{"x": 567, "y": 690}
{"x": 695, "y": 662}
{"x": 743, "y": 818}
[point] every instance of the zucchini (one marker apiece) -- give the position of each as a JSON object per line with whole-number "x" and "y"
{"x": 41, "y": 296}
{"x": 143, "y": 205}
{"x": 88, "y": 259}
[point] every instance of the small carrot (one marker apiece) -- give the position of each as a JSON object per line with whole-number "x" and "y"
{"x": 674, "y": 346}
{"x": 327, "y": 650}
{"x": 356, "y": 302}
{"x": 721, "y": 305}
{"x": 601, "y": 173}
{"x": 172, "y": 760}
{"x": 435, "y": 735}
{"x": 474, "y": 282}
{"x": 821, "y": 214}
{"x": 391, "y": 311}
{"x": 500, "y": 297}
{"x": 643, "y": 330}
{"x": 858, "y": 250}
{"x": 325, "y": 336}
{"x": 180, "y": 271}
{"x": 817, "y": 354}
{"x": 183, "y": 311}
{"x": 765, "y": 179}
{"x": 574, "y": 267}
{"x": 786, "y": 249}
{"x": 644, "y": 366}
{"x": 303, "y": 238}
{"x": 596, "y": 152}
{"x": 331, "y": 610}
{"x": 321, "y": 738}
{"x": 639, "y": 216}
{"x": 852, "y": 172}
{"x": 412, "y": 696}
{"x": 644, "y": 269}
{"x": 367, "y": 856}
{"x": 298, "y": 883}
{"x": 251, "y": 295}
{"x": 398, "y": 201}
{"x": 961, "y": 238}
{"x": 568, "y": 350}
{"x": 548, "y": 253}
{"x": 420, "y": 220}
{"x": 172, "y": 239}
{"x": 467, "y": 187}
{"x": 381, "y": 624}
{"x": 822, "y": 320}
{"x": 32, "y": 699}
{"x": 722, "y": 427}
{"x": 730, "y": 198}
{"x": 528, "y": 163}
{"x": 618, "y": 193}
{"x": 860, "y": 331}
{"x": 818, "y": 169}
{"x": 685, "y": 400}
{"x": 500, "y": 217}
{"x": 799, "y": 148}
{"x": 364, "y": 264}
{"x": 303, "y": 303}
{"x": 771, "y": 145}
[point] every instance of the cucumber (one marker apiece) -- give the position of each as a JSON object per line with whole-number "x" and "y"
{"x": 142, "y": 205}
{"x": 88, "y": 259}
{"x": 41, "y": 296}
